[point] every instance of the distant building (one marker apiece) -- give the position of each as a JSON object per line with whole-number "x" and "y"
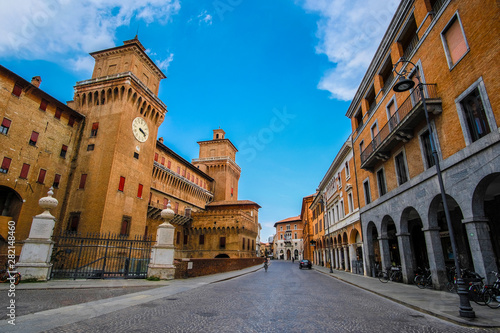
{"x": 288, "y": 239}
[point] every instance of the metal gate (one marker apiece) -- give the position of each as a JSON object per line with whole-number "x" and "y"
{"x": 97, "y": 256}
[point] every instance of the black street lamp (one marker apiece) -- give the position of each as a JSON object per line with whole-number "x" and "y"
{"x": 405, "y": 84}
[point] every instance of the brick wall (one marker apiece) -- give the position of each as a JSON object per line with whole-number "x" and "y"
{"x": 202, "y": 267}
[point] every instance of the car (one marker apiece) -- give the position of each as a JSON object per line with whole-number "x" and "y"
{"x": 305, "y": 264}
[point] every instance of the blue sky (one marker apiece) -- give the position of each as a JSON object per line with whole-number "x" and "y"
{"x": 276, "y": 75}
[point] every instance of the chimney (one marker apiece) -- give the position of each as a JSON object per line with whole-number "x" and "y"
{"x": 161, "y": 140}
{"x": 36, "y": 80}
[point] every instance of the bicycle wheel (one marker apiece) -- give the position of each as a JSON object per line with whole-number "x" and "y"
{"x": 476, "y": 294}
{"x": 383, "y": 277}
{"x": 420, "y": 281}
{"x": 451, "y": 287}
{"x": 17, "y": 278}
{"x": 492, "y": 298}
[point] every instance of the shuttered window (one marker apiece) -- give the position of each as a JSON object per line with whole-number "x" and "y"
{"x": 95, "y": 128}
{"x": 5, "y": 165}
{"x": 43, "y": 104}
{"x": 121, "y": 186}
{"x": 41, "y": 176}
{"x": 33, "y": 138}
{"x": 139, "y": 191}
{"x": 83, "y": 179}
{"x": 17, "y": 90}
{"x": 454, "y": 40}
{"x": 4, "y": 128}
{"x": 57, "y": 180}
{"x": 24, "y": 171}
{"x": 58, "y": 113}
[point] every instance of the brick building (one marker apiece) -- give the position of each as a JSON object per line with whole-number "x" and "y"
{"x": 109, "y": 172}
{"x": 453, "y": 48}
{"x": 288, "y": 241}
{"x": 308, "y": 227}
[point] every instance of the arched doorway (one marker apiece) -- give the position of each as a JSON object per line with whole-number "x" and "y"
{"x": 372, "y": 249}
{"x": 437, "y": 217}
{"x": 296, "y": 254}
{"x": 356, "y": 247}
{"x": 282, "y": 255}
{"x": 10, "y": 203}
{"x": 288, "y": 255}
{"x": 411, "y": 222}
{"x": 390, "y": 252}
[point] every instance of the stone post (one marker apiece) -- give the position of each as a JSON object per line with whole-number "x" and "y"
{"x": 436, "y": 257}
{"x": 162, "y": 254}
{"x": 406, "y": 255}
{"x": 385, "y": 256}
{"x": 34, "y": 261}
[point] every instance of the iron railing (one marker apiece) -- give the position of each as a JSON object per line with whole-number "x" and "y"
{"x": 398, "y": 117}
{"x": 100, "y": 256}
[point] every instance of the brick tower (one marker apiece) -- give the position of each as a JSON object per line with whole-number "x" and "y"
{"x": 217, "y": 159}
{"x": 115, "y": 158}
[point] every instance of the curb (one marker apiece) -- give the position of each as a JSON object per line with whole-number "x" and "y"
{"x": 414, "y": 307}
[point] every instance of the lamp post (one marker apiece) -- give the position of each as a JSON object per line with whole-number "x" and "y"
{"x": 405, "y": 84}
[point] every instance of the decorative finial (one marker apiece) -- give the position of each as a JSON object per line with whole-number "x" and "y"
{"x": 167, "y": 214}
{"x": 48, "y": 202}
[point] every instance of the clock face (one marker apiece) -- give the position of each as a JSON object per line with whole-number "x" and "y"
{"x": 140, "y": 129}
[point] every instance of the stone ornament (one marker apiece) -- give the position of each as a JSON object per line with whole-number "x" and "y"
{"x": 47, "y": 203}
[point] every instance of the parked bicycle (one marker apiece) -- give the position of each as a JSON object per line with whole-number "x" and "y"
{"x": 8, "y": 276}
{"x": 451, "y": 284}
{"x": 391, "y": 274}
{"x": 492, "y": 293}
{"x": 476, "y": 287}
{"x": 424, "y": 280}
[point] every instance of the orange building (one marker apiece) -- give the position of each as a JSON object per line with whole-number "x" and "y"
{"x": 288, "y": 241}
{"x": 453, "y": 48}
{"x": 308, "y": 226}
{"x": 318, "y": 231}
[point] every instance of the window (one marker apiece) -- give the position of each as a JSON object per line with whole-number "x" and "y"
{"x": 162, "y": 160}
{"x": 454, "y": 42}
{"x": 136, "y": 155}
{"x": 202, "y": 239}
{"x": 366, "y": 188}
{"x": 139, "y": 191}
{"x": 71, "y": 121}
{"x": 17, "y": 90}
{"x": 382, "y": 189}
{"x": 156, "y": 157}
{"x": 281, "y": 228}
{"x": 320, "y": 225}
{"x": 243, "y": 244}
{"x": 347, "y": 171}
{"x": 361, "y": 149}
{"x": 5, "y": 165}
{"x": 33, "y": 138}
{"x": 57, "y": 180}
{"x": 281, "y": 236}
{"x": 222, "y": 242}
{"x": 64, "y": 150}
{"x": 295, "y": 226}
{"x": 425, "y": 142}
{"x": 90, "y": 147}
{"x": 179, "y": 170}
{"x": 474, "y": 114}
{"x": 43, "y": 104}
{"x": 185, "y": 239}
{"x": 392, "y": 115}
{"x": 121, "y": 185}
{"x": 125, "y": 227}
{"x": 350, "y": 202}
{"x": 58, "y": 113}
{"x": 359, "y": 118}
{"x": 24, "y": 171}
{"x": 341, "y": 207}
{"x": 248, "y": 244}
{"x": 287, "y": 227}
{"x": 178, "y": 238}
{"x": 189, "y": 175}
{"x": 169, "y": 164}
{"x": 41, "y": 176}
{"x": 83, "y": 180}
{"x": 375, "y": 137}
{"x": 401, "y": 171}
{"x": 295, "y": 235}
{"x": 74, "y": 220}
{"x": 4, "y": 128}
{"x": 176, "y": 207}
{"x": 94, "y": 130}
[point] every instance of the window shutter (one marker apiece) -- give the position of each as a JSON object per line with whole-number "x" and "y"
{"x": 58, "y": 113}
{"x": 456, "y": 42}
{"x": 41, "y": 176}
{"x": 17, "y": 90}
{"x": 57, "y": 179}
{"x": 121, "y": 186}
{"x": 95, "y": 126}
{"x": 156, "y": 157}
{"x": 34, "y": 137}
{"x": 169, "y": 164}
{"x": 6, "y": 164}
{"x": 43, "y": 105}
{"x": 139, "y": 191}
{"x": 83, "y": 179}
{"x": 163, "y": 161}
{"x": 71, "y": 121}
{"x": 24, "y": 171}
{"x": 6, "y": 122}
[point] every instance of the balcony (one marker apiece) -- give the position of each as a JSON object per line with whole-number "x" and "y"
{"x": 400, "y": 126}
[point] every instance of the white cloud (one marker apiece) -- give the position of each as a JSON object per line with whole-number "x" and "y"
{"x": 65, "y": 30}
{"x": 349, "y": 32}
{"x": 163, "y": 64}
{"x": 204, "y": 17}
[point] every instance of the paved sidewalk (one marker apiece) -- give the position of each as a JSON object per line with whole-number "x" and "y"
{"x": 49, "y": 319}
{"x": 442, "y": 304}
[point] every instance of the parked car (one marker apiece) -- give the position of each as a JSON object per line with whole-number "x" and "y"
{"x": 305, "y": 264}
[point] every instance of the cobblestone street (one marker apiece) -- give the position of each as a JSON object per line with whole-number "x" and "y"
{"x": 277, "y": 301}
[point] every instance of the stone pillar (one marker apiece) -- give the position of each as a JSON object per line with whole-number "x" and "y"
{"x": 478, "y": 234}
{"x": 352, "y": 255}
{"x": 406, "y": 255}
{"x": 162, "y": 254}
{"x": 436, "y": 257}
{"x": 34, "y": 261}
{"x": 385, "y": 257}
{"x": 346, "y": 259}
{"x": 337, "y": 255}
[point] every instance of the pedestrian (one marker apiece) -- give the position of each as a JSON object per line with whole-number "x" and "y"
{"x": 293, "y": 259}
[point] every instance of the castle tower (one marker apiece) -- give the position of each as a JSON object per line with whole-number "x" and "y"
{"x": 217, "y": 159}
{"x": 111, "y": 182}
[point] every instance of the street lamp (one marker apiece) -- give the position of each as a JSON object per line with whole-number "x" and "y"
{"x": 405, "y": 84}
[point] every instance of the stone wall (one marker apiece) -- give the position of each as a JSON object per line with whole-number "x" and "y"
{"x": 187, "y": 268}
